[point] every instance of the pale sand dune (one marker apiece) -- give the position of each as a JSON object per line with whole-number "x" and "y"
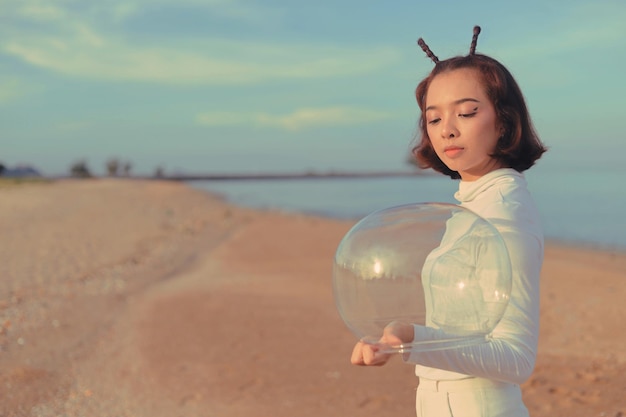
{"x": 129, "y": 298}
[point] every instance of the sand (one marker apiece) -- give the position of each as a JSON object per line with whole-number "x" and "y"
{"x": 149, "y": 298}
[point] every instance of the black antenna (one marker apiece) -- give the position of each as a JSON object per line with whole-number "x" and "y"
{"x": 474, "y": 40}
{"x": 426, "y": 49}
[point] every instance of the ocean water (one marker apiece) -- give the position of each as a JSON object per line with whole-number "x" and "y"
{"x": 579, "y": 206}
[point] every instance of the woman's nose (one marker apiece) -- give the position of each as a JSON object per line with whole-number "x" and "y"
{"x": 449, "y": 131}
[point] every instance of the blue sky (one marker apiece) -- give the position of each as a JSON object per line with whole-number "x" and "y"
{"x": 278, "y": 85}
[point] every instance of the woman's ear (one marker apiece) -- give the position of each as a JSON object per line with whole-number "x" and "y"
{"x": 501, "y": 130}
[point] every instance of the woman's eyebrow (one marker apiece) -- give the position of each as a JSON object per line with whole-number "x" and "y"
{"x": 456, "y": 103}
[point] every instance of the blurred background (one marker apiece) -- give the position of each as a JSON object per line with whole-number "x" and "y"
{"x": 208, "y": 86}
{"x": 170, "y": 87}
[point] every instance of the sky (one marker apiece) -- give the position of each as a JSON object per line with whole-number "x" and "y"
{"x": 244, "y": 86}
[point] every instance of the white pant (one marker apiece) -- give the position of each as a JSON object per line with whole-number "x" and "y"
{"x": 471, "y": 397}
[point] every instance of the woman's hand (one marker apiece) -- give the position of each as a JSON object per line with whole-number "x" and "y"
{"x": 394, "y": 334}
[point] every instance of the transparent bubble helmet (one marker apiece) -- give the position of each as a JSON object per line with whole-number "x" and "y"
{"x": 437, "y": 265}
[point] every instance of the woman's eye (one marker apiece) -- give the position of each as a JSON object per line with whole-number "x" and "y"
{"x": 433, "y": 121}
{"x": 469, "y": 114}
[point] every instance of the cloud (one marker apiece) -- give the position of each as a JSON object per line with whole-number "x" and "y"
{"x": 300, "y": 119}
{"x": 92, "y": 56}
{"x": 563, "y": 54}
{"x": 311, "y": 117}
{"x": 89, "y": 44}
{"x": 123, "y": 11}
{"x": 579, "y": 29}
{"x": 36, "y": 11}
{"x": 12, "y": 88}
{"x": 237, "y": 10}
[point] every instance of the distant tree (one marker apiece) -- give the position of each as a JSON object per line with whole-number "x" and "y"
{"x": 80, "y": 170}
{"x": 2, "y": 168}
{"x": 126, "y": 168}
{"x": 112, "y": 166}
{"x": 158, "y": 172}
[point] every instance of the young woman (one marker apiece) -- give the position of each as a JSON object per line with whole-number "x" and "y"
{"x": 475, "y": 127}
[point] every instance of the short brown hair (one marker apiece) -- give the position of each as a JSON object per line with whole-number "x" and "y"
{"x": 518, "y": 147}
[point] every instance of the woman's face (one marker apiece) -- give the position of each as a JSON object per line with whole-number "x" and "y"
{"x": 462, "y": 124}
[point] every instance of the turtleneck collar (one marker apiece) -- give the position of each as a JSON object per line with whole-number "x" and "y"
{"x": 468, "y": 190}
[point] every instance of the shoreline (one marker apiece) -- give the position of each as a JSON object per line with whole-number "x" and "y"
{"x": 271, "y": 175}
{"x": 594, "y": 242}
{"x": 152, "y": 298}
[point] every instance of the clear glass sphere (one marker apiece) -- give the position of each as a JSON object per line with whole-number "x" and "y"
{"x": 430, "y": 264}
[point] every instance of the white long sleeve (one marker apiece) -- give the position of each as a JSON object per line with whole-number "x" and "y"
{"x": 502, "y": 198}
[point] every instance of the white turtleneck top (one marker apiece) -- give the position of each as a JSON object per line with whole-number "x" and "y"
{"x": 502, "y": 198}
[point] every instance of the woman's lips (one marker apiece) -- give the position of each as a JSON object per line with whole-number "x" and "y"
{"x": 452, "y": 151}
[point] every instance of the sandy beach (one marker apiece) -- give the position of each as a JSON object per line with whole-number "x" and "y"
{"x": 148, "y": 298}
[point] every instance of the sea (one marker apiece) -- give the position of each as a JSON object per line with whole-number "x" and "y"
{"x": 578, "y": 206}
